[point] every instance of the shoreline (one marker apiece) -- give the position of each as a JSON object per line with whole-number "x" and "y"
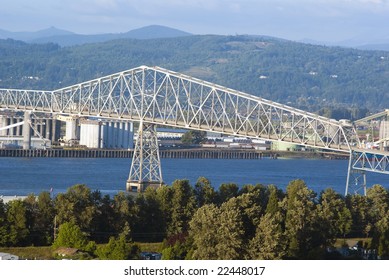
{"x": 200, "y": 153}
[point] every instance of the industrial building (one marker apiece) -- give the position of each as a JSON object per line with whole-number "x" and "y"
{"x": 42, "y": 130}
{"x": 384, "y": 135}
{"x": 106, "y": 134}
{"x": 46, "y": 130}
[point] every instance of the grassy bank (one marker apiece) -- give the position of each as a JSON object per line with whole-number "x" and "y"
{"x": 47, "y": 252}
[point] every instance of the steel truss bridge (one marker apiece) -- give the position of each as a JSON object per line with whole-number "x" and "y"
{"x": 156, "y": 96}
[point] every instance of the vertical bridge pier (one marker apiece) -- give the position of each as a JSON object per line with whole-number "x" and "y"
{"x": 27, "y": 131}
{"x": 146, "y": 164}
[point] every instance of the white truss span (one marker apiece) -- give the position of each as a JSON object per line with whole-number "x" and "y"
{"x": 157, "y": 96}
{"x": 362, "y": 161}
{"x": 368, "y": 160}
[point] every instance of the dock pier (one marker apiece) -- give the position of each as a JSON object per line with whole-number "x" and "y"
{"x": 115, "y": 153}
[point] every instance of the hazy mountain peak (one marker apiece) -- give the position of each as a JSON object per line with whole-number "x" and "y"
{"x": 68, "y": 38}
{"x": 33, "y": 35}
{"x": 155, "y": 31}
{"x": 53, "y": 31}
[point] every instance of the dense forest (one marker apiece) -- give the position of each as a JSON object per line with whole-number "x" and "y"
{"x": 337, "y": 82}
{"x": 200, "y": 222}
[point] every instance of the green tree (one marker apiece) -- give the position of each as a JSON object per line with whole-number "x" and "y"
{"x": 359, "y": 209}
{"x": 335, "y": 218}
{"x": 40, "y": 218}
{"x": 17, "y": 220}
{"x": 204, "y": 192}
{"x": 70, "y": 235}
{"x": 231, "y": 241}
{"x": 123, "y": 216}
{"x": 45, "y": 218}
{"x": 77, "y": 205}
{"x": 106, "y": 221}
{"x": 301, "y": 220}
{"x": 193, "y": 137}
{"x": 3, "y": 224}
{"x": 217, "y": 233}
{"x": 183, "y": 205}
{"x": 269, "y": 241}
{"x": 150, "y": 224}
{"x": 249, "y": 206}
{"x": 227, "y": 191}
{"x": 378, "y": 199}
{"x": 204, "y": 230}
{"x": 164, "y": 196}
{"x": 177, "y": 247}
{"x": 275, "y": 197}
{"x": 117, "y": 249}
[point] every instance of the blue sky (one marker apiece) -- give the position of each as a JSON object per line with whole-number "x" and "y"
{"x": 330, "y": 20}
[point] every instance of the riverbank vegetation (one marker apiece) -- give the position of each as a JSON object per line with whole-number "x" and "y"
{"x": 200, "y": 222}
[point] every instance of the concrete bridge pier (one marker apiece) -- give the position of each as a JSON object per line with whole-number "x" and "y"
{"x": 3, "y": 123}
{"x": 27, "y": 131}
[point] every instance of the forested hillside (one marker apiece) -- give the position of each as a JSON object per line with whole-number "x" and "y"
{"x": 315, "y": 78}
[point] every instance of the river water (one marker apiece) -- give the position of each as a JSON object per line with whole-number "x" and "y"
{"x": 23, "y": 176}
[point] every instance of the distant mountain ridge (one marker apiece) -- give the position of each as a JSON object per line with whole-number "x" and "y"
{"x": 306, "y": 76}
{"x": 364, "y": 41}
{"x": 29, "y": 36}
{"x": 67, "y": 38}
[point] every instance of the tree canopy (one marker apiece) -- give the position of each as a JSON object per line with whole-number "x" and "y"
{"x": 201, "y": 222}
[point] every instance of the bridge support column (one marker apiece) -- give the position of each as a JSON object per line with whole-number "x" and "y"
{"x": 3, "y": 123}
{"x": 27, "y": 131}
{"x": 146, "y": 165}
{"x": 356, "y": 178}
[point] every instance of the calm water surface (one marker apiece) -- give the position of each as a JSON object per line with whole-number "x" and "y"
{"x": 22, "y": 176}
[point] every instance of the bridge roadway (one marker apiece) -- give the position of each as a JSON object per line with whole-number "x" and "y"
{"x": 153, "y": 95}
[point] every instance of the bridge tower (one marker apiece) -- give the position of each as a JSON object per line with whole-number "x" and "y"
{"x": 356, "y": 178}
{"x": 146, "y": 165}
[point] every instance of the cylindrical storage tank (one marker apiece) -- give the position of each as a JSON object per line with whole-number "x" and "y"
{"x": 90, "y": 134}
{"x": 108, "y": 143}
{"x": 115, "y": 135}
{"x": 104, "y": 135}
{"x": 384, "y": 133}
{"x": 71, "y": 130}
{"x": 131, "y": 135}
{"x": 12, "y": 129}
{"x": 125, "y": 135}
{"x": 120, "y": 132}
{"x": 384, "y": 130}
